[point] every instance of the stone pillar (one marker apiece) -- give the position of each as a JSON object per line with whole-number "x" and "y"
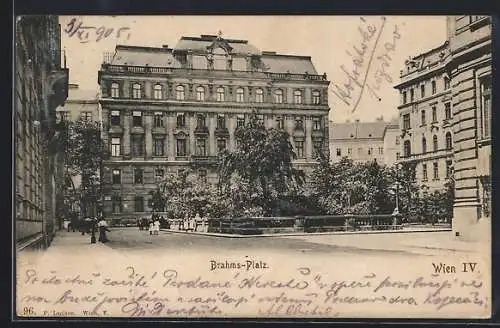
{"x": 148, "y": 134}
{"x": 126, "y": 133}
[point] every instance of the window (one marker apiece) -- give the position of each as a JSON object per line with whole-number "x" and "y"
{"x": 115, "y": 90}
{"x": 435, "y": 143}
{"x": 139, "y": 204}
{"x": 159, "y": 174}
{"x": 240, "y": 120}
{"x": 433, "y": 86}
{"x": 370, "y": 150}
{"x": 65, "y": 115}
{"x": 317, "y": 148}
{"x": 115, "y": 117}
{"x": 475, "y": 18}
{"x": 240, "y": 93}
{"x": 201, "y": 147}
{"x": 157, "y": 91}
{"x": 220, "y": 94}
{"x": 259, "y": 96}
{"x": 137, "y": 145}
{"x": 424, "y": 145}
{"x": 407, "y": 148}
{"x": 138, "y": 175}
{"x": 158, "y": 146}
{"x": 404, "y": 98}
{"x": 136, "y": 91}
{"x": 179, "y": 92}
{"x": 200, "y": 93}
{"x": 339, "y": 152}
{"x": 221, "y": 121}
{"x": 412, "y": 95}
{"x": 436, "y": 171}
{"x": 115, "y": 146}
{"x": 349, "y": 151}
{"x": 200, "y": 121}
{"x": 424, "y": 172}
{"x": 449, "y": 168}
{"x": 299, "y": 123}
{"x": 434, "y": 114}
{"x": 221, "y": 144}
{"x": 117, "y": 204}
{"x": 260, "y": 119}
{"x": 278, "y": 96}
{"x": 202, "y": 175}
{"x": 397, "y": 140}
{"x": 116, "y": 177}
{"x": 181, "y": 147}
{"x": 297, "y": 97}
{"x": 86, "y": 116}
{"x": 447, "y": 111}
{"x": 380, "y": 150}
{"x": 423, "y": 117}
{"x": 299, "y": 148}
{"x": 422, "y": 91}
{"x": 137, "y": 118}
{"x": 181, "y": 120}
{"x": 316, "y": 98}
{"x": 280, "y": 123}
{"x": 317, "y": 124}
{"x": 446, "y": 81}
{"x": 158, "y": 120}
{"x": 486, "y": 107}
{"x": 448, "y": 141}
{"x": 406, "y": 121}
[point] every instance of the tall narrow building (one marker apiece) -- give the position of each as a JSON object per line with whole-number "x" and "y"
{"x": 166, "y": 109}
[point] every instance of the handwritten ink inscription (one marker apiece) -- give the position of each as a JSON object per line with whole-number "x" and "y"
{"x": 370, "y": 62}
{"x": 169, "y": 292}
{"x": 75, "y": 28}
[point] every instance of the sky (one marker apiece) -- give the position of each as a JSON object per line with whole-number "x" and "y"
{"x": 362, "y": 56}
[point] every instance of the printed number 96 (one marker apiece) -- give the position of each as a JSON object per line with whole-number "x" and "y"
{"x": 28, "y": 311}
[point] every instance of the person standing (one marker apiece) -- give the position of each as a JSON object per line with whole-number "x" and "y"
{"x": 156, "y": 224}
{"x": 103, "y": 228}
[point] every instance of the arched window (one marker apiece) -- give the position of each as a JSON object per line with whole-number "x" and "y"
{"x": 220, "y": 60}
{"x": 259, "y": 96}
{"x": 424, "y": 145}
{"x": 179, "y": 92}
{"x": 297, "y": 97}
{"x": 316, "y": 97}
{"x": 278, "y": 96}
{"x": 200, "y": 93}
{"x": 240, "y": 95}
{"x": 435, "y": 143}
{"x": 220, "y": 94}
{"x": 448, "y": 141}
{"x": 433, "y": 86}
{"x": 136, "y": 91}
{"x": 446, "y": 82}
{"x": 157, "y": 94}
{"x": 407, "y": 148}
{"x": 115, "y": 90}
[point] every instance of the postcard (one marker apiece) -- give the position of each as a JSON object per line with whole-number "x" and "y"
{"x": 252, "y": 167}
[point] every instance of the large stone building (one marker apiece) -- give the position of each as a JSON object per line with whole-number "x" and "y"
{"x": 81, "y": 104}
{"x": 41, "y": 84}
{"x": 425, "y": 115}
{"x": 166, "y": 109}
{"x": 470, "y": 69}
{"x": 452, "y": 84}
{"x": 364, "y": 141}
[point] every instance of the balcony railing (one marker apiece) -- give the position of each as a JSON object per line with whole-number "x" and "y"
{"x": 111, "y": 68}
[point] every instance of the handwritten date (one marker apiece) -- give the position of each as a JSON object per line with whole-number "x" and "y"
{"x": 85, "y": 34}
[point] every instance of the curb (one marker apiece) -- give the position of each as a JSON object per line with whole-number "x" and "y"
{"x": 302, "y": 234}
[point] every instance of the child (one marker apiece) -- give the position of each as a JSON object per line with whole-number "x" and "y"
{"x": 151, "y": 227}
{"x": 156, "y": 227}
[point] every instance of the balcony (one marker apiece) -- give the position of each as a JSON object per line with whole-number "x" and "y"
{"x": 319, "y": 133}
{"x": 201, "y": 160}
{"x": 201, "y": 130}
{"x": 159, "y": 130}
{"x": 222, "y": 132}
{"x": 427, "y": 155}
{"x": 115, "y": 129}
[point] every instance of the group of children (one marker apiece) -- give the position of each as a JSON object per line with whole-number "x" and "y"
{"x": 154, "y": 227}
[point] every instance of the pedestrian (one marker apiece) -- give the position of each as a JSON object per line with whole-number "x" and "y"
{"x": 103, "y": 228}
{"x": 156, "y": 227}
{"x": 151, "y": 227}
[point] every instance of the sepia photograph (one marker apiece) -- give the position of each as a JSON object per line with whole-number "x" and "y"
{"x": 252, "y": 167}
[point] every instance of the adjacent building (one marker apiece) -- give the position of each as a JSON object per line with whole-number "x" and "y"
{"x": 445, "y": 120}
{"x": 364, "y": 141}
{"x": 166, "y": 109}
{"x": 81, "y": 104}
{"x": 40, "y": 86}
{"x": 425, "y": 116}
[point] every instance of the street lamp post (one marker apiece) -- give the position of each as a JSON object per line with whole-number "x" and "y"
{"x": 398, "y": 168}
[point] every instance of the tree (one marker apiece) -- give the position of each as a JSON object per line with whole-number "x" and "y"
{"x": 262, "y": 161}
{"x": 85, "y": 153}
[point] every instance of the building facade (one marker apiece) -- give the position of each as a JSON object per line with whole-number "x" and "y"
{"x": 364, "y": 141}
{"x": 471, "y": 69}
{"x": 81, "y": 104}
{"x": 40, "y": 86}
{"x": 425, "y": 116}
{"x": 166, "y": 109}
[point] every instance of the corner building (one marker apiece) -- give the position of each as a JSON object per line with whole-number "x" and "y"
{"x": 166, "y": 109}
